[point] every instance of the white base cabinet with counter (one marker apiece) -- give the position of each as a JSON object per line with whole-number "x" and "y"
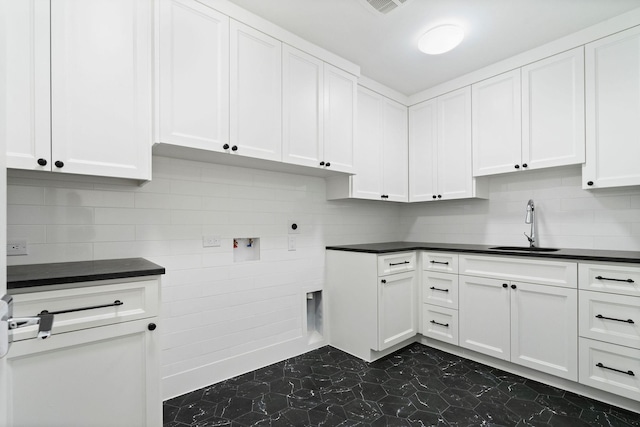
{"x": 99, "y": 367}
{"x": 372, "y": 302}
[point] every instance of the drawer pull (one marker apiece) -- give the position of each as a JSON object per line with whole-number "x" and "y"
{"x": 615, "y": 280}
{"x": 438, "y": 262}
{"x": 438, "y": 289}
{"x": 73, "y": 310}
{"x": 630, "y": 373}
{"x": 399, "y": 263}
{"x": 446, "y": 325}
{"x": 600, "y": 316}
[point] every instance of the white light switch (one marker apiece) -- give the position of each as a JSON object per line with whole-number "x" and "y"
{"x": 211, "y": 241}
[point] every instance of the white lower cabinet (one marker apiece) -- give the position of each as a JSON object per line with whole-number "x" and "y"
{"x": 372, "y": 301}
{"x": 610, "y": 328}
{"x": 99, "y": 367}
{"x": 531, "y": 324}
{"x": 440, "y": 296}
{"x": 396, "y": 309}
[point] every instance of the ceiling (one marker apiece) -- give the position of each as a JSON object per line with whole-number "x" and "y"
{"x": 385, "y": 45}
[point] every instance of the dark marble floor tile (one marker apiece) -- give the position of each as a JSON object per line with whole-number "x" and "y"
{"x": 429, "y": 402}
{"x": 362, "y": 411}
{"x": 396, "y": 406}
{"x": 369, "y": 391}
{"x": 415, "y": 386}
{"x": 397, "y": 387}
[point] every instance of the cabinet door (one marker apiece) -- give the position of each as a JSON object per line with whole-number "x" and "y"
{"x": 395, "y": 152}
{"x": 193, "y": 59}
{"x": 27, "y": 88}
{"x": 553, "y": 111}
{"x": 256, "y": 93}
{"x": 497, "y": 124}
{"x": 367, "y": 182}
{"x": 544, "y": 328}
{"x": 423, "y": 151}
{"x": 340, "y": 113}
{"x": 612, "y": 81}
{"x": 302, "y": 97}
{"x": 79, "y": 378}
{"x": 484, "y": 316}
{"x": 101, "y": 87}
{"x": 397, "y": 309}
{"x": 455, "y": 179}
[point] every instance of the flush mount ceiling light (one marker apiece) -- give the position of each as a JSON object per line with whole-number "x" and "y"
{"x": 440, "y": 39}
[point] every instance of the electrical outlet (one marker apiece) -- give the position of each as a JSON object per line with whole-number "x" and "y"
{"x": 293, "y": 227}
{"x": 292, "y": 243}
{"x": 211, "y": 241}
{"x": 17, "y": 247}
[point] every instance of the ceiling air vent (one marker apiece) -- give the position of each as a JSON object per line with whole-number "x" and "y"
{"x": 385, "y": 6}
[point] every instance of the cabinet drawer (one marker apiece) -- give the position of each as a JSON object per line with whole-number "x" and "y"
{"x": 556, "y": 273}
{"x": 396, "y": 263}
{"x": 440, "y": 261}
{"x": 610, "y": 367}
{"x": 139, "y": 300}
{"x": 611, "y": 318}
{"x": 440, "y": 289}
{"x": 613, "y": 278}
{"x": 440, "y": 323}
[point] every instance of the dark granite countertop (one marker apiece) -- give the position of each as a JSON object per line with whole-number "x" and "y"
{"x": 567, "y": 254}
{"x": 31, "y": 275}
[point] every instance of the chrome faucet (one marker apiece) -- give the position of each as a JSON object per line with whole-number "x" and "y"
{"x": 531, "y": 219}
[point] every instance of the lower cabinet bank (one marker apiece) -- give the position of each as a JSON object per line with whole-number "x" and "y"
{"x": 567, "y": 323}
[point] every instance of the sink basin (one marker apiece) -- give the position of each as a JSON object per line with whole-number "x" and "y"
{"x": 524, "y": 249}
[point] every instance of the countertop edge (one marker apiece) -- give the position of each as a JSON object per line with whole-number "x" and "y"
{"x": 596, "y": 256}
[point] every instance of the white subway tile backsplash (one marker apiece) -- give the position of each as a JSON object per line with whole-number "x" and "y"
{"x": 214, "y": 308}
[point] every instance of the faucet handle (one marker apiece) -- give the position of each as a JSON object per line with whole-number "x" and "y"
{"x": 529, "y": 238}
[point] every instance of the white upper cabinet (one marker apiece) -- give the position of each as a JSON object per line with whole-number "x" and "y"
{"x": 395, "y": 152}
{"x": 613, "y": 111}
{"x": 193, "y": 75}
{"x": 302, "y": 107}
{"x": 440, "y": 149}
{"x": 340, "y": 97}
{"x": 100, "y": 87}
{"x": 28, "y": 90}
{"x": 553, "y": 111}
{"x": 423, "y": 151}
{"x": 381, "y": 149}
{"x": 368, "y": 181}
{"x": 497, "y": 124}
{"x": 255, "y": 93}
{"x": 531, "y": 117}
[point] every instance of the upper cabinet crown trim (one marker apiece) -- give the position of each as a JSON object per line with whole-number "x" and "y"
{"x": 260, "y": 24}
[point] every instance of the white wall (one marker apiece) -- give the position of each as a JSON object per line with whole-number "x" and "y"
{"x": 219, "y": 318}
{"x": 567, "y": 216}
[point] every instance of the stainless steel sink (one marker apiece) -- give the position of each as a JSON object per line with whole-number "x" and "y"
{"x": 524, "y": 249}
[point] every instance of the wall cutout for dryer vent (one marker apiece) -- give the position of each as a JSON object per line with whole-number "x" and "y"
{"x": 383, "y": 6}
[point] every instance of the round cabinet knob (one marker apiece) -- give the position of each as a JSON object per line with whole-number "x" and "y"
{"x": 152, "y": 326}
{"x": 439, "y": 196}
{"x": 294, "y": 226}
{"x": 328, "y": 164}
{"x": 517, "y": 166}
{"x": 234, "y": 148}
{"x": 524, "y": 165}
{"x": 504, "y": 285}
{"x": 434, "y": 196}
{"x": 513, "y": 286}
{"x": 59, "y": 164}
{"x": 42, "y": 162}
{"x": 225, "y": 146}
{"x": 321, "y": 163}
{"x": 590, "y": 183}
